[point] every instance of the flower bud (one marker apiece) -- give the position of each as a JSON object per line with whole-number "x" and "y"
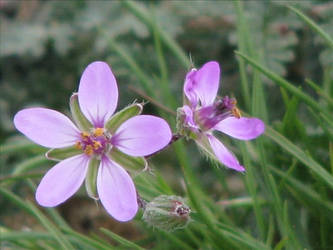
{"x": 167, "y": 212}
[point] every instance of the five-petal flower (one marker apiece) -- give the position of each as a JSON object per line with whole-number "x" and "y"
{"x": 139, "y": 135}
{"x": 203, "y": 113}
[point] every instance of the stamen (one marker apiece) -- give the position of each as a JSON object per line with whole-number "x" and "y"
{"x": 98, "y": 132}
{"x": 78, "y": 145}
{"x": 236, "y": 112}
{"x": 97, "y": 145}
{"x": 89, "y": 150}
{"x": 85, "y": 136}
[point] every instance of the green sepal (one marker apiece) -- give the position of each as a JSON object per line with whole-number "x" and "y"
{"x": 81, "y": 121}
{"x": 59, "y": 154}
{"x": 116, "y": 120}
{"x": 182, "y": 128}
{"x": 205, "y": 147}
{"x": 130, "y": 163}
{"x": 91, "y": 177}
{"x": 167, "y": 212}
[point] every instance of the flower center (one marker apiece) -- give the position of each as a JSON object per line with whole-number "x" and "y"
{"x": 207, "y": 117}
{"x": 96, "y": 142}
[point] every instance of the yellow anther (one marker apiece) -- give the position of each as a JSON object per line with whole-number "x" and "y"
{"x": 233, "y": 101}
{"x": 89, "y": 150}
{"x": 78, "y": 145}
{"x": 236, "y": 112}
{"x": 98, "y": 131}
{"x": 85, "y": 135}
{"x": 97, "y": 145}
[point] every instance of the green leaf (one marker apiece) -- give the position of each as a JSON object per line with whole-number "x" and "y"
{"x": 30, "y": 208}
{"x": 59, "y": 154}
{"x": 123, "y": 115}
{"x": 88, "y": 240}
{"x": 314, "y": 26}
{"x": 285, "y": 84}
{"x": 305, "y": 190}
{"x": 130, "y": 163}
{"x": 292, "y": 127}
{"x": 300, "y": 155}
{"x": 241, "y": 237}
{"x": 319, "y": 91}
{"x": 79, "y": 118}
{"x": 91, "y": 177}
{"x": 121, "y": 240}
{"x": 30, "y": 164}
{"x": 143, "y": 15}
{"x": 19, "y": 146}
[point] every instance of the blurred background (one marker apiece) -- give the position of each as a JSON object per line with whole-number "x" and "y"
{"x": 45, "y": 46}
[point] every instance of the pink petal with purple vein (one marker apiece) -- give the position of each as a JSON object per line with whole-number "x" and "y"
{"x": 62, "y": 181}
{"x": 189, "y": 88}
{"x": 189, "y": 119}
{"x": 116, "y": 191}
{"x": 203, "y": 84}
{"x": 224, "y": 155}
{"x": 98, "y": 93}
{"x": 142, "y": 135}
{"x": 46, "y": 127}
{"x": 207, "y": 79}
{"x": 242, "y": 128}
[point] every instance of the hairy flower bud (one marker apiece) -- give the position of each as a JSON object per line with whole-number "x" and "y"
{"x": 167, "y": 212}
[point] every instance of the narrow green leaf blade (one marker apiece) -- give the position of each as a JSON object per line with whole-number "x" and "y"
{"x": 124, "y": 242}
{"x": 300, "y": 155}
{"x": 314, "y": 26}
{"x": 285, "y": 84}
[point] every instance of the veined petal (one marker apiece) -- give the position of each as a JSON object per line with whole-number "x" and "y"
{"x": 241, "y": 128}
{"x": 46, "y": 127}
{"x": 62, "y": 181}
{"x": 189, "y": 119}
{"x": 189, "y": 88}
{"x": 98, "y": 93}
{"x": 223, "y": 154}
{"x": 142, "y": 135}
{"x": 207, "y": 79}
{"x": 116, "y": 191}
{"x": 203, "y": 84}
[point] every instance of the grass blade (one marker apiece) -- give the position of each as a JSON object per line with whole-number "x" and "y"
{"x": 124, "y": 242}
{"x": 285, "y": 84}
{"x": 300, "y": 155}
{"x": 314, "y": 26}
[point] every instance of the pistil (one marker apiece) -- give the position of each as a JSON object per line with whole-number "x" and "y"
{"x": 207, "y": 117}
{"x": 96, "y": 142}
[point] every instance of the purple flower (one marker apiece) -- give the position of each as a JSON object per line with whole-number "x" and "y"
{"x": 204, "y": 113}
{"x": 139, "y": 135}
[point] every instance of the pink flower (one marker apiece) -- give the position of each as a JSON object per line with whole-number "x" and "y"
{"x": 137, "y": 136}
{"x": 204, "y": 113}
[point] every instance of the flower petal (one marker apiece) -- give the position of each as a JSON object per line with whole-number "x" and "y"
{"x": 98, "y": 93}
{"x": 224, "y": 155}
{"x": 188, "y": 119}
{"x": 241, "y": 128}
{"x": 62, "y": 181}
{"x": 189, "y": 88}
{"x": 203, "y": 83}
{"x": 142, "y": 135}
{"x": 116, "y": 191}
{"x": 46, "y": 127}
